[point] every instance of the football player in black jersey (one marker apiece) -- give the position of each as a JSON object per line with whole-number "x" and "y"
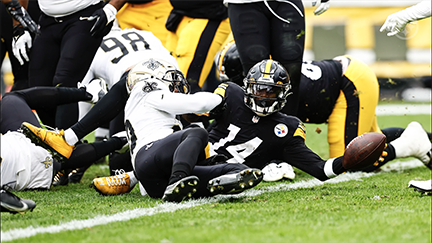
{"x": 343, "y": 92}
{"x": 250, "y": 129}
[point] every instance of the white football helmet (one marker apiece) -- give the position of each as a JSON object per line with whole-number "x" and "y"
{"x": 162, "y": 70}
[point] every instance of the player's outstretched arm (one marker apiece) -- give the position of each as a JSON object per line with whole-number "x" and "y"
{"x": 396, "y": 22}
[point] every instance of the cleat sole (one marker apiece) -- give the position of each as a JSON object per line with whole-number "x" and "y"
{"x": 36, "y": 140}
{"x": 235, "y": 183}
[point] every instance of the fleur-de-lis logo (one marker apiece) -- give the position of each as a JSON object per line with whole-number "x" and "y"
{"x": 152, "y": 64}
{"x": 150, "y": 86}
{"x": 48, "y": 162}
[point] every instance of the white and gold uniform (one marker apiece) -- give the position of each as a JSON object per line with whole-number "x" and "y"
{"x": 29, "y": 167}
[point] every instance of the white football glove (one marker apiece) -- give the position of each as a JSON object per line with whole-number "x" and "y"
{"x": 396, "y": 22}
{"x": 322, "y": 6}
{"x": 21, "y": 45}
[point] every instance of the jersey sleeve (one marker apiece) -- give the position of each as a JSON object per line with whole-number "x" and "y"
{"x": 221, "y": 90}
{"x": 297, "y": 154}
{"x": 176, "y": 103}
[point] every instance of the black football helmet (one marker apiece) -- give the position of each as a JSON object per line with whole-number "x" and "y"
{"x": 267, "y": 86}
{"x": 229, "y": 64}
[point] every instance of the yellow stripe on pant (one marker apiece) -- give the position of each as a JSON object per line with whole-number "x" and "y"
{"x": 354, "y": 111}
{"x": 195, "y": 45}
{"x": 146, "y": 16}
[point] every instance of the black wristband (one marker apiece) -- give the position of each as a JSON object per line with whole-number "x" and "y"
{"x": 18, "y": 31}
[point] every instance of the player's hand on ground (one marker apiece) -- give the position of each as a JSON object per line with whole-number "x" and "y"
{"x": 21, "y": 44}
{"x": 383, "y": 154}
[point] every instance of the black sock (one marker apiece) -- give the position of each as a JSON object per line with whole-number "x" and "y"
{"x": 180, "y": 170}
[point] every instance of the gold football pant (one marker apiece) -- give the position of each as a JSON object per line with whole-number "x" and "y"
{"x": 195, "y": 44}
{"x": 354, "y": 111}
{"x": 146, "y": 16}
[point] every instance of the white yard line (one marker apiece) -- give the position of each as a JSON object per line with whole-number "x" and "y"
{"x": 404, "y": 109}
{"x": 171, "y": 207}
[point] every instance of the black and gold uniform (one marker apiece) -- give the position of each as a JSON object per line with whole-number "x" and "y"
{"x": 342, "y": 92}
{"x": 253, "y": 140}
{"x": 270, "y": 29}
{"x": 149, "y": 15}
{"x": 198, "y": 29}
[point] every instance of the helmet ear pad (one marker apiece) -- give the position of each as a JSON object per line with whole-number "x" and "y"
{"x": 267, "y": 86}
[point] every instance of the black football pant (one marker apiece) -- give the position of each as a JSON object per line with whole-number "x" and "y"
{"x": 156, "y": 162}
{"x": 260, "y": 35}
{"x": 61, "y": 56}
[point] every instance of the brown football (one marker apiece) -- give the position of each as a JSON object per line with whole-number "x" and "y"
{"x": 363, "y": 151}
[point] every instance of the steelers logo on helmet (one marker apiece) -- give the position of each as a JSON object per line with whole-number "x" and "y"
{"x": 267, "y": 86}
{"x": 156, "y": 69}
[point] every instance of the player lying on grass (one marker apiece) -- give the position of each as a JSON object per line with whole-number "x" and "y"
{"x": 164, "y": 156}
{"x": 250, "y": 129}
{"x": 344, "y": 93}
{"x": 27, "y": 165}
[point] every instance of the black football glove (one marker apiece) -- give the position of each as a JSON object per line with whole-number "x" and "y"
{"x": 20, "y": 14}
{"x": 104, "y": 19}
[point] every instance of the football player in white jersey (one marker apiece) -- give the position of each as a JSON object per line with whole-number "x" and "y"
{"x": 120, "y": 50}
{"x": 164, "y": 156}
{"x": 26, "y": 165}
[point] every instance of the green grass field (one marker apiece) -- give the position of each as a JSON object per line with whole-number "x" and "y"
{"x": 374, "y": 207}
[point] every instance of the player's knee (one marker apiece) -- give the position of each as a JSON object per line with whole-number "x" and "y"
{"x": 199, "y": 133}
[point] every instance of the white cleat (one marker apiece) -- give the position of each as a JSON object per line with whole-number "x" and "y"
{"x": 421, "y": 186}
{"x": 414, "y": 142}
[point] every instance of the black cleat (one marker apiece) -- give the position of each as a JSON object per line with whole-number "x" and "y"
{"x": 181, "y": 189}
{"x": 76, "y": 175}
{"x": 235, "y": 183}
{"x": 60, "y": 179}
{"x": 13, "y": 204}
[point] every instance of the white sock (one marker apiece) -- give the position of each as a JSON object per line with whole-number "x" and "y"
{"x": 133, "y": 179}
{"x": 70, "y": 137}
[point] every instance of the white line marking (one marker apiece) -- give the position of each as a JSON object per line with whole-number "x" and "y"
{"x": 171, "y": 207}
{"x": 403, "y": 109}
